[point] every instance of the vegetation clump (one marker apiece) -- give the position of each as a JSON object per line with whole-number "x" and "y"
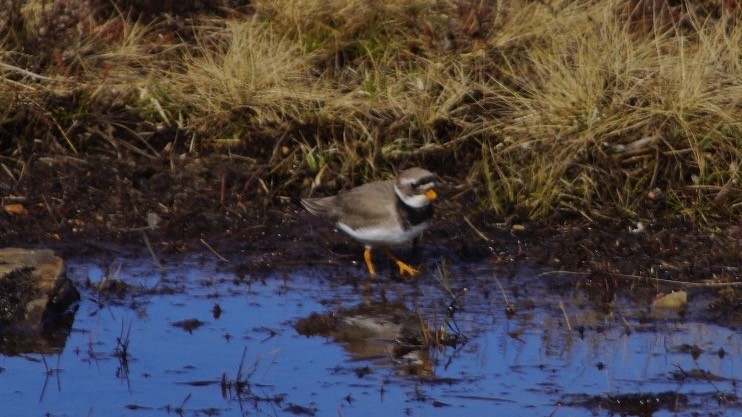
{"x": 602, "y": 109}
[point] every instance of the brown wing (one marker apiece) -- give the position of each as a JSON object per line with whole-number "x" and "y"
{"x": 367, "y": 205}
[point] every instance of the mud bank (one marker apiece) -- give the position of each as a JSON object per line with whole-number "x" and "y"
{"x": 98, "y": 204}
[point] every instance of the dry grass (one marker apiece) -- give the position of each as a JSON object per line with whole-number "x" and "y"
{"x": 589, "y": 107}
{"x": 607, "y": 114}
{"x": 245, "y": 75}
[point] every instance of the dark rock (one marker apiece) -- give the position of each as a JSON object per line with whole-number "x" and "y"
{"x": 37, "y": 301}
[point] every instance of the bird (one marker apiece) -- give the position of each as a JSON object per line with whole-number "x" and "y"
{"x": 382, "y": 214}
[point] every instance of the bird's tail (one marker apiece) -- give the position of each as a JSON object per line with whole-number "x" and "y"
{"x": 321, "y": 206}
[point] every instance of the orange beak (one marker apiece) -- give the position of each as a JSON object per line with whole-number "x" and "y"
{"x": 431, "y": 194}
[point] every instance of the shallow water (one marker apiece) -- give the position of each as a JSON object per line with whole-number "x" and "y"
{"x": 559, "y": 354}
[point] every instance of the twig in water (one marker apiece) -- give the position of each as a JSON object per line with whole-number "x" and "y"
{"x": 213, "y": 251}
{"x": 508, "y": 307}
{"x": 179, "y": 410}
{"x": 566, "y": 317}
{"x": 424, "y": 330}
{"x": 122, "y": 353}
{"x": 151, "y": 251}
{"x": 626, "y": 324}
{"x": 479, "y": 233}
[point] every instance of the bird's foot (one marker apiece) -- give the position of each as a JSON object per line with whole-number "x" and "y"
{"x": 405, "y": 269}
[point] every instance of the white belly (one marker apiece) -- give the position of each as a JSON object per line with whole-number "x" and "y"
{"x": 381, "y": 236}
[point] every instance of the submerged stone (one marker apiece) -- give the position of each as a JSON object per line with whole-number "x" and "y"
{"x": 674, "y": 300}
{"x": 36, "y": 301}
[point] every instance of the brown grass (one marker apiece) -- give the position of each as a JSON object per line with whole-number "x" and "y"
{"x": 595, "y": 108}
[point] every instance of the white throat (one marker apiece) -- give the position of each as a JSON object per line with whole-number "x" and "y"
{"x": 416, "y": 201}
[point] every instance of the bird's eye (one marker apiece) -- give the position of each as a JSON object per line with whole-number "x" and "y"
{"x": 414, "y": 185}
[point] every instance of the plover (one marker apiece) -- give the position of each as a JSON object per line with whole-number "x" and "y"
{"x": 382, "y": 214}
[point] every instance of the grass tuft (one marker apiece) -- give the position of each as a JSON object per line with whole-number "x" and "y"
{"x": 594, "y": 108}
{"x": 244, "y": 75}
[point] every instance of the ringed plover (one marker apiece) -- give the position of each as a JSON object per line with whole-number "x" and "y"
{"x": 382, "y": 213}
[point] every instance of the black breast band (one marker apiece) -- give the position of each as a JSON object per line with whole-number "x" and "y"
{"x": 412, "y": 216}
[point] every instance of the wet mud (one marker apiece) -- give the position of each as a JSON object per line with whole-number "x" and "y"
{"x": 222, "y": 205}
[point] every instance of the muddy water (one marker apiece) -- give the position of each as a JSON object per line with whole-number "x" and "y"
{"x": 196, "y": 338}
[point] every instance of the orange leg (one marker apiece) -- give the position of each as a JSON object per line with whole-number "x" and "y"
{"x": 369, "y": 263}
{"x": 404, "y": 269}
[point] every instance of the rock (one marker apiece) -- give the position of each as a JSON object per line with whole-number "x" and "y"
{"x": 674, "y": 300}
{"x": 37, "y": 301}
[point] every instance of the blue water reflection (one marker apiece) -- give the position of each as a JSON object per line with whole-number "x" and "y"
{"x": 529, "y": 364}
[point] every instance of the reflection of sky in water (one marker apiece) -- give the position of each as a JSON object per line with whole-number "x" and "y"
{"x": 526, "y": 373}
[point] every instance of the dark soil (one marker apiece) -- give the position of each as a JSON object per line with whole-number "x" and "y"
{"x": 229, "y": 205}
